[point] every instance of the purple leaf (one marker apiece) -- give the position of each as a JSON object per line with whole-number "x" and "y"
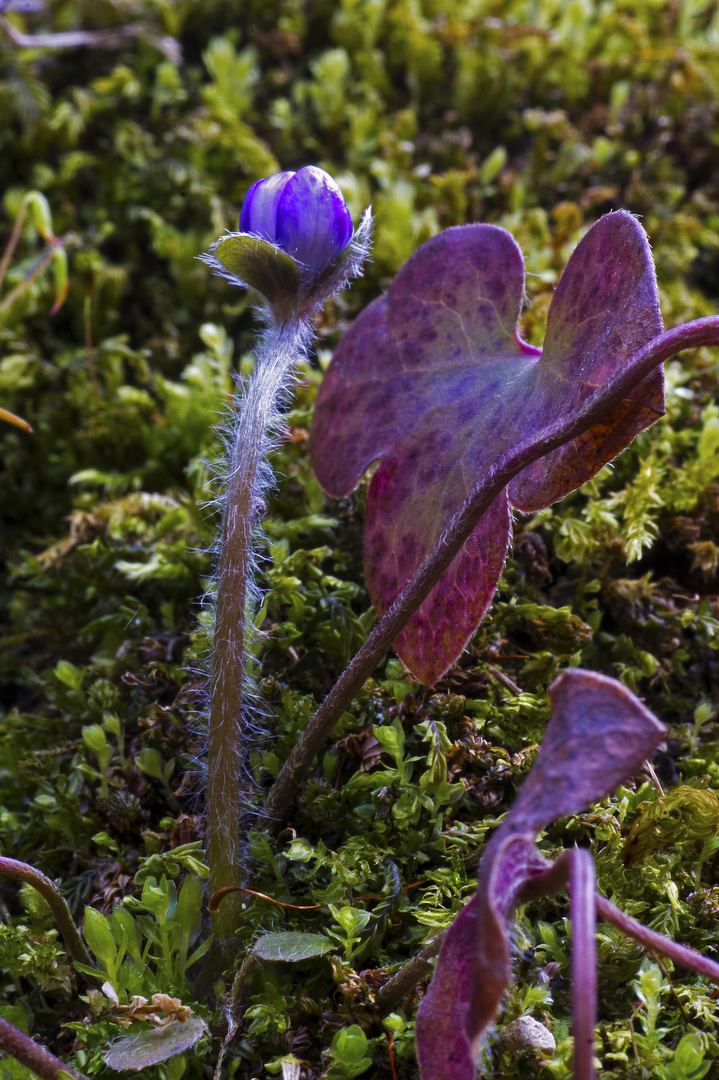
{"x": 434, "y": 382}
{"x": 447, "y": 1003}
{"x": 598, "y": 736}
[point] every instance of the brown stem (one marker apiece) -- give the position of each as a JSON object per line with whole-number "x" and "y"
{"x": 238, "y": 988}
{"x": 29, "y": 1053}
{"x": 661, "y": 348}
{"x": 61, "y": 912}
{"x": 17, "y": 421}
{"x": 236, "y": 995}
{"x": 235, "y": 1009}
{"x": 401, "y": 984}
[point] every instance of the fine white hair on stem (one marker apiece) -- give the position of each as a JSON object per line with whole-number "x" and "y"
{"x": 251, "y": 434}
{"x": 235, "y": 715}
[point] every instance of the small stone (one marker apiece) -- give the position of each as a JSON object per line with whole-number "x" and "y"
{"x": 526, "y": 1033}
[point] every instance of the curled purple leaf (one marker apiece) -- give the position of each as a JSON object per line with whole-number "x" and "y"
{"x": 598, "y": 735}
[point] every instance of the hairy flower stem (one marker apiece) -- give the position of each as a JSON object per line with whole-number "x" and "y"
{"x": 253, "y": 437}
{"x": 655, "y": 352}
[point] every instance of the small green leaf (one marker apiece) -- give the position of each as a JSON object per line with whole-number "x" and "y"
{"x": 189, "y": 905}
{"x": 493, "y": 165}
{"x": 126, "y": 930}
{"x": 198, "y": 953}
{"x": 291, "y": 947}
{"x": 94, "y": 738}
{"x": 104, "y": 840}
{"x": 68, "y": 674}
{"x": 99, "y": 937}
{"x": 60, "y": 277}
{"x": 40, "y": 214}
{"x": 349, "y": 1045}
{"x": 300, "y": 851}
{"x": 689, "y": 1055}
{"x": 150, "y": 761}
{"x": 352, "y": 920}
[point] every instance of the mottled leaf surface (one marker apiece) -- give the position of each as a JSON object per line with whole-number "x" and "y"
{"x": 291, "y": 946}
{"x": 598, "y": 736}
{"x": 434, "y": 381}
{"x": 149, "y": 1047}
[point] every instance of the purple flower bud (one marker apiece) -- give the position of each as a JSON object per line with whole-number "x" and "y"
{"x": 304, "y": 213}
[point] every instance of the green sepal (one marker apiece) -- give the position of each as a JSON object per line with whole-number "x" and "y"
{"x": 262, "y": 266}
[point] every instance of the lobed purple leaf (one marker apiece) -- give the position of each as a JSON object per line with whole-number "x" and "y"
{"x": 434, "y": 381}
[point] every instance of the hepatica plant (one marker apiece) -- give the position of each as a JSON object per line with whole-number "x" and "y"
{"x": 467, "y": 421}
{"x": 295, "y": 247}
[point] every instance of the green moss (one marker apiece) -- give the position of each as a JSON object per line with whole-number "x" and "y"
{"x": 538, "y": 116}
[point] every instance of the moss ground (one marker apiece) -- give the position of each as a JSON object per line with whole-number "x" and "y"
{"x": 538, "y": 116}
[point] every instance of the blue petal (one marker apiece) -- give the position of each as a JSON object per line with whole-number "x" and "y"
{"x": 259, "y": 210}
{"x": 313, "y": 222}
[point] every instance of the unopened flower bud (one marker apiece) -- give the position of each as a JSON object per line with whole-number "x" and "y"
{"x": 304, "y": 213}
{"x": 295, "y": 243}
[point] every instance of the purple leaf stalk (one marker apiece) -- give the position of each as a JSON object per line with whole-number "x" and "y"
{"x": 14, "y": 1042}
{"x": 296, "y": 248}
{"x": 33, "y": 1056}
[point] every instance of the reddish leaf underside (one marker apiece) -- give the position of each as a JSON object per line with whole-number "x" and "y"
{"x": 598, "y": 735}
{"x": 434, "y": 382}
